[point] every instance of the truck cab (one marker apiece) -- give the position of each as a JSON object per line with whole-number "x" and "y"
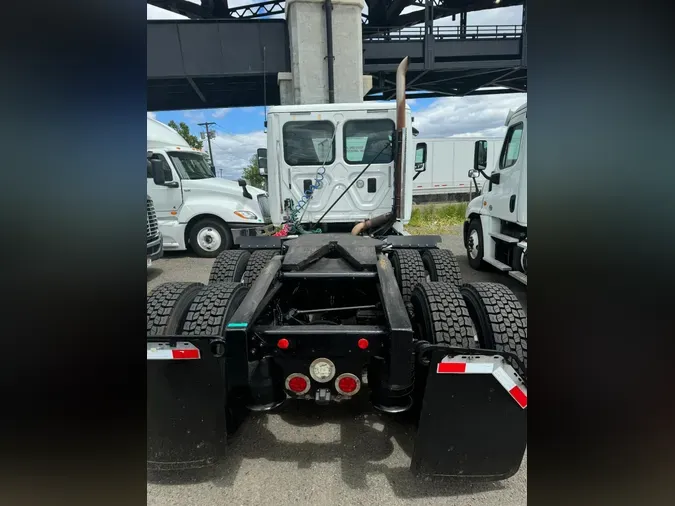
{"x": 495, "y": 229}
{"x": 193, "y": 206}
{"x": 314, "y": 152}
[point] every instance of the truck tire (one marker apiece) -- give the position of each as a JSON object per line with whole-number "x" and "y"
{"x": 442, "y": 265}
{"x": 409, "y": 270}
{"x": 229, "y": 266}
{"x": 441, "y": 316}
{"x": 474, "y": 246}
{"x": 212, "y": 308}
{"x": 256, "y": 263}
{"x": 500, "y": 320}
{"x": 167, "y": 306}
{"x": 209, "y": 236}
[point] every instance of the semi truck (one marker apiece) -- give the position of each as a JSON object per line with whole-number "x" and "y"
{"x": 495, "y": 228}
{"x": 324, "y": 316}
{"x": 441, "y": 167}
{"x": 194, "y": 207}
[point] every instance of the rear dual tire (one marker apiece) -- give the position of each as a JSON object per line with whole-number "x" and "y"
{"x": 500, "y": 320}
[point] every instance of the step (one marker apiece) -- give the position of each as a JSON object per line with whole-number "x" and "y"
{"x": 503, "y": 237}
{"x": 522, "y": 244}
{"x": 499, "y": 265}
{"x": 519, "y": 276}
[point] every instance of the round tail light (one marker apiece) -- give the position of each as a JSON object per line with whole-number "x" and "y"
{"x": 347, "y": 384}
{"x": 363, "y": 343}
{"x": 298, "y": 383}
{"x": 283, "y": 343}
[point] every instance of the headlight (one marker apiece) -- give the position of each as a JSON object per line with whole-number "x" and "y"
{"x": 247, "y": 215}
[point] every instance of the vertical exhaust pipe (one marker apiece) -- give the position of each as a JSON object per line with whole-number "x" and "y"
{"x": 400, "y": 126}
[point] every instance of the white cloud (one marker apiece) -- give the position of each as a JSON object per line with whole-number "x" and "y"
{"x": 196, "y": 116}
{"x": 481, "y": 115}
{"x": 219, "y": 113}
{"x": 232, "y": 152}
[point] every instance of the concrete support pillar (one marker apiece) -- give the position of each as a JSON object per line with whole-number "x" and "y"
{"x": 309, "y": 63}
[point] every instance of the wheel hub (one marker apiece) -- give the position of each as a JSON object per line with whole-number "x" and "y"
{"x": 209, "y": 239}
{"x": 473, "y": 244}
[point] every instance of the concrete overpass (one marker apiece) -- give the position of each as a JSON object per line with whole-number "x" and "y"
{"x": 234, "y": 63}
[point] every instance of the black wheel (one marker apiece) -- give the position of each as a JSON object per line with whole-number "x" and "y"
{"x": 212, "y": 308}
{"x": 409, "y": 270}
{"x": 256, "y": 263}
{"x": 474, "y": 244}
{"x": 167, "y": 306}
{"x": 208, "y": 237}
{"x": 441, "y": 316}
{"x": 229, "y": 266}
{"x": 442, "y": 265}
{"x": 500, "y": 320}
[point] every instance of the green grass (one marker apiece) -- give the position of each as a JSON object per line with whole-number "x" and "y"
{"x": 436, "y": 218}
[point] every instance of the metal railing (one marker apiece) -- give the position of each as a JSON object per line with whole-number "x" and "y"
{"x": 444, "y": 32}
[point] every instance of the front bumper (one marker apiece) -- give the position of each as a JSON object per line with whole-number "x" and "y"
{"x": 155, "y": 249}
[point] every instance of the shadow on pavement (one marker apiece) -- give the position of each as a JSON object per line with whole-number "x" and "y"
{"x": 366, "y": 440}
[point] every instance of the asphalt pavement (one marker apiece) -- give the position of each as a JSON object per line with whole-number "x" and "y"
{"x": 334, "y": 455}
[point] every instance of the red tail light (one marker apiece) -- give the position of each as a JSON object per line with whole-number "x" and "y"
{"x": 363, "y": 343}
{"x": 283, "y": 343}
{"x": 298, "y": 383}
{"x": 347, "y": 384}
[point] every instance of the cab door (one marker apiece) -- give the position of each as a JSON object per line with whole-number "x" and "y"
{"x": 169, "y": 197}
{"x": 503, "y": 196}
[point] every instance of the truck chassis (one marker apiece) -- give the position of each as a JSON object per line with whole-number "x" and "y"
{"x": 325, "y": 318}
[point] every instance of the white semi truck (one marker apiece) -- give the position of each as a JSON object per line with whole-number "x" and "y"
{"x": 193, "y": 206}
{"x": 441, "y": 166}
{"x": 495, "y": 230}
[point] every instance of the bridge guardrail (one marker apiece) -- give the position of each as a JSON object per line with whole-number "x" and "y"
{"x": 373, "y": 34}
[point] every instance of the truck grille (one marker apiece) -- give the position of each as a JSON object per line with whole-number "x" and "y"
{"x": 264, "y": 208}
{"x": 153, "y": 228}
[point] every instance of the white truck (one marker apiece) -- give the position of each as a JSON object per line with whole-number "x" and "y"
{"x": 193, "y": 206}
{"x": 495, "y": 229}
{"x": 441, "y": 166}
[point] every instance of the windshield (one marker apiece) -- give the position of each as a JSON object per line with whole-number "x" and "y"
{"x": 191, "y": 165}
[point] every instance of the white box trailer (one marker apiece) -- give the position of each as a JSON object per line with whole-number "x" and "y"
{"x": 442, "y": 164}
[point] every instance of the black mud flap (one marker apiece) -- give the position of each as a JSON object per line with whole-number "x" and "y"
{"x": 186, "y": 419}
{"x": 473, "y": 420}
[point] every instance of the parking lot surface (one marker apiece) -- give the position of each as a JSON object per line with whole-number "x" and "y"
{"x": 333, "y": 455}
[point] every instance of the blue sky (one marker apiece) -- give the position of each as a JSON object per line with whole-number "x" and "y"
{"x": 240, "y": 131}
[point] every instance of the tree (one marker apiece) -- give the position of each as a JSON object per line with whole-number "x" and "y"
{"x": 184, "y": 131}
{"x": 252, "y": 173}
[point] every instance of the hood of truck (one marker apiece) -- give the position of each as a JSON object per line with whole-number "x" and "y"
{"x": 220, "y": 185}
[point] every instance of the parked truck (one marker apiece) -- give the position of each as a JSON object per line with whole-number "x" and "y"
{"x": 495, "y": 229}
{"x": 194, "y": 207}
{"x": 325, "y": 316}
{"x": 441, "y": 167}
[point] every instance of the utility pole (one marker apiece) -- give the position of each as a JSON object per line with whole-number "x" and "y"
{"x": 208, "y": 138}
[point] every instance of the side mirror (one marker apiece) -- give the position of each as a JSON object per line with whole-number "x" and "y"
{"x": 246, "y": 193}
{"x": 473, "y": 173}
{"x": 480, "y": 155}
{"x": 157, "y": 172}
{"x": 262, "y": 160}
